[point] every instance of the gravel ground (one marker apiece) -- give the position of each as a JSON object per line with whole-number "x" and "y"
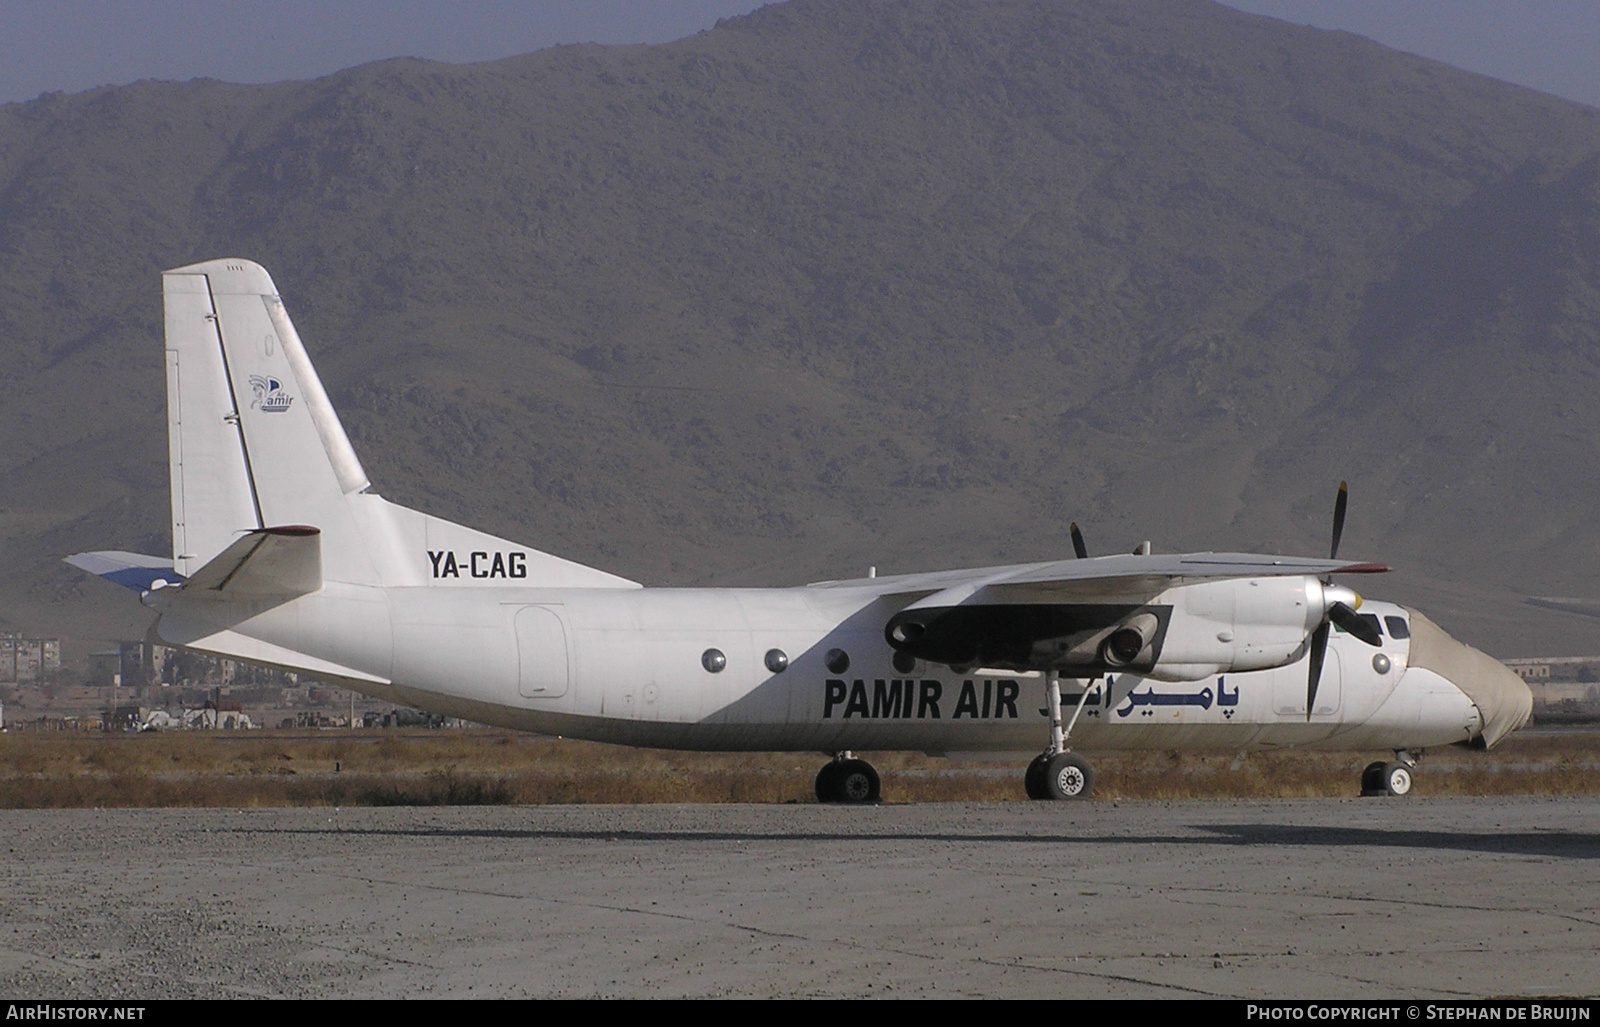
{"x": 1300, "y": 899}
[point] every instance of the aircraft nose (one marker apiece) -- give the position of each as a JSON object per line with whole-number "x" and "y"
{"x": 1503, "y": 699}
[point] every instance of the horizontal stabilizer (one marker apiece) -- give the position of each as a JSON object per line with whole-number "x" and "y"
{"x": 268, "y": 563}
{"x": 130, "y": 570}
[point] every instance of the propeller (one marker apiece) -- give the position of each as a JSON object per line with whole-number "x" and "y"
{"x": 1339, "y": 506}
{"x": 1338, "y": 611}
{"x": 1078, "y": 547}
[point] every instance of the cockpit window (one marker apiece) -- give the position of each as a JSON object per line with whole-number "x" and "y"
{"x": 1398, "y": 628}
{"x": 1372, "y": 621}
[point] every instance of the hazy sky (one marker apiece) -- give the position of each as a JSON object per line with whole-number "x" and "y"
{"x": 45, "y": 45}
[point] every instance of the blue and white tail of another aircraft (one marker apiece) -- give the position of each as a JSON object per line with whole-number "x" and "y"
{"x": 282, "y": 555}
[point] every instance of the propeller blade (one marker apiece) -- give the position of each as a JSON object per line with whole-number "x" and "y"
{"x": 1354, "y": 623}
{"x": 1319, "y": 653}
{"x": 1077, "y": 543}
{"x": 1338, "y": 519}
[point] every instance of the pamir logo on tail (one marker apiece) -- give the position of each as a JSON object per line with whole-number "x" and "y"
{"x": 270, "y": 396}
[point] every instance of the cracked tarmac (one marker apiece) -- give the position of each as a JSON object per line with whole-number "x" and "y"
{"x": 1333, "y": 898}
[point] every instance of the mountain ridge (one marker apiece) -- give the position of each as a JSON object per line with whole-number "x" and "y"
{"x": 834, "y": 284}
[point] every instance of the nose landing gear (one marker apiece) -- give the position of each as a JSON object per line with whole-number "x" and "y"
{"x": 848, "y": 781}
{"x": 1389, "y": 778}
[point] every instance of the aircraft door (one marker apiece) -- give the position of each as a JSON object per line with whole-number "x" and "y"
{"x": 1289, "y": 688}
{"x": 543, "y": 669}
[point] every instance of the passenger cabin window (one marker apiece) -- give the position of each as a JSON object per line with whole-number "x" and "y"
{"x": 1398, "y": 628}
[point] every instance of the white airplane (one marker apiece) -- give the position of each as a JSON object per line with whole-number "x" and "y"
{"x": 282, "y": 555}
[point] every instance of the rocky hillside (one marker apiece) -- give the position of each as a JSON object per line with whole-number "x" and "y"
{"x": 840, "y": 283}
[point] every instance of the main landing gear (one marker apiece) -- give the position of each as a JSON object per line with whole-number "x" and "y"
{"x": 848, "y": 780}
{"x": 1058, "y": 773}
{"x": 1062, "y": 775}
{"x": 1389, "y": 778}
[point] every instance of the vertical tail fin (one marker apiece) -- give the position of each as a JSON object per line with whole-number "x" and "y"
{"x": 256, "y": 448}
{"x": 254, "y": 441}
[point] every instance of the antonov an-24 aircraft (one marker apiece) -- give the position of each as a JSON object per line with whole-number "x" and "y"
{"x": 283, "y": 555}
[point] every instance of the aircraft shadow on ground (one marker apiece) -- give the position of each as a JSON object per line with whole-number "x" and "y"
{"x": 1562, "y": 844}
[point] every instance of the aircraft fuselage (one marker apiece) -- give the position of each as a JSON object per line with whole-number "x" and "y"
{"x": 629, "y": 666}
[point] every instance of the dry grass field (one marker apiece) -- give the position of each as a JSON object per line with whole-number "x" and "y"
{"x": 316, "y": 768}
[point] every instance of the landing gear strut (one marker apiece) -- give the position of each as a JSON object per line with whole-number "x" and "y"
{"x": 1389, "y": 778}
{"x": 848, "y": 780}
{"x": 1058, "y": 773}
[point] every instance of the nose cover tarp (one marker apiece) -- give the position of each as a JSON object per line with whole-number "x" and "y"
{"x": 1503, "y": 699}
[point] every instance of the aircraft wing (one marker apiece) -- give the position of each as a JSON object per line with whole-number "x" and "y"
{"x": 1065, "y": 613}
{"x": 1096, "y": 577}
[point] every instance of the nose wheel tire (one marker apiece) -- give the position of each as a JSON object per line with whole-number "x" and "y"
{"x": 850, "y": 782}
{"x": 1396, "y": 779}
{"x": 1386, "y": 779}
{"x": 1068, "y": 776}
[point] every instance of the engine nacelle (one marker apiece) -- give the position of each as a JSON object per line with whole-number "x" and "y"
{"x": 1130, "y": 640}
{"x": 1239, "y": 624}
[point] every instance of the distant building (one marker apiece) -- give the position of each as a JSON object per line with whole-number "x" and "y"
{"x": 25, "y": 659}
{"x": 133, "y": 665}
{"x": 1566, "y": 689}
{"x": 1535, "y": 669}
